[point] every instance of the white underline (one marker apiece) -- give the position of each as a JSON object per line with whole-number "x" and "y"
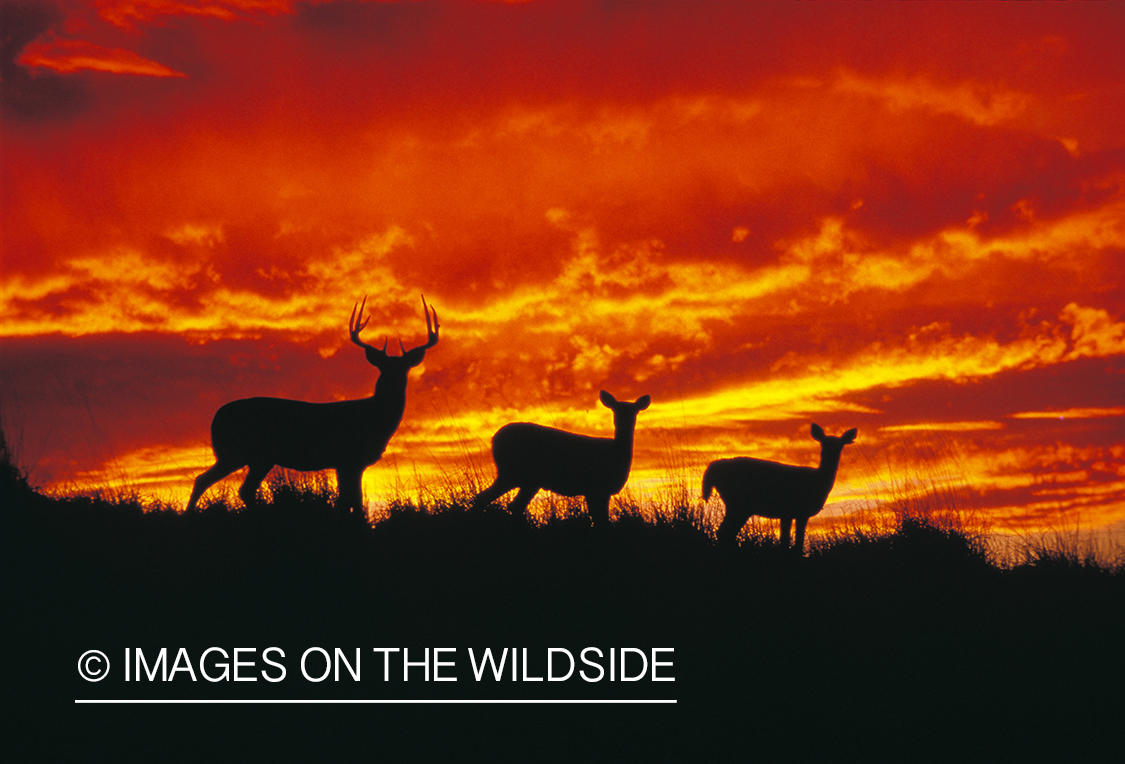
{"x": 383, "y": 701}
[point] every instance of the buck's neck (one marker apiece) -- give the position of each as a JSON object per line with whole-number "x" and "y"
{"x": 390, "y": 394}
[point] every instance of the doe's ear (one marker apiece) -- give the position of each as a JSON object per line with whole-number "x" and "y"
{"x": 643, "y": 402}
{"x": 849, "y": 436}
{"x": 607, "y": 400}
{"x": 817, "y": 432}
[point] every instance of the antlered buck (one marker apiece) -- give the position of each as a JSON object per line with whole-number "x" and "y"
{"x": 769, "y": 489}
{"x": 346, "y": 436}
{"x": 533, "y": 457}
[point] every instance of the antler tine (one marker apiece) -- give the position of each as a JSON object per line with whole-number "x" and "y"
{"x": 356, "y": 324}
{"x": 431, "y": 330}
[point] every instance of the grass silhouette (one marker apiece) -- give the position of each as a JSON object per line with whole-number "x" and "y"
{"x": 904, "y": 642}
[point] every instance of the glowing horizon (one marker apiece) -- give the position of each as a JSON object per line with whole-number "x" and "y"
{"x": 751, "y": 212}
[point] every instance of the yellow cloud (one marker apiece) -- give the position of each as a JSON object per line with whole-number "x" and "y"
{"x": 842, "y": 260}
{"x": 1072, "y": 413}
{"x": 943, "y": 427}
{"x": 1095, "y": 334}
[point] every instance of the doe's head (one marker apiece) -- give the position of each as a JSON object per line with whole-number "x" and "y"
{"x": 833, "y": 441}
{"x": 617, "y": 406}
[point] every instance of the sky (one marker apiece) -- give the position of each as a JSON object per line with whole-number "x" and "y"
{"x": 908, "y": 219}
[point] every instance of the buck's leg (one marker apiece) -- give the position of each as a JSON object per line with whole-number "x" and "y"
{"x": 598, "y": 507}
{"x": 786, "y": 524}
{"x": 349, "y": 487}
{"x": 523, "y": 498}
{"x": 800, "y": 540}
{"x": 217, "y": 472}
{"x": 254, "y": 477}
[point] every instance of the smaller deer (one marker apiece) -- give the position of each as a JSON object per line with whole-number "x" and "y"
{"x": 769, "y": 489}
{"x": 533, "y": 457}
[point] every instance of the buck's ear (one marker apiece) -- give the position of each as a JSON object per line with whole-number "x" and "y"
{"x": 643, "y": 402}
{"x": 607, "y": 400}
{"x": 849, "y": 436}
{"x": 817, "y": 432}
{"x": 414, "y": 357}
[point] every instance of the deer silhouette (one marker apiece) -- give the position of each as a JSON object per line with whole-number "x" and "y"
{"x": 346, "y": 436}
{"x": 533, "y": 457}
{"x": 769, "y": 489}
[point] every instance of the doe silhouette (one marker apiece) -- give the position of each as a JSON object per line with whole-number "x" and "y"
{"x": 346, "y": 436}
{"x": 533, "y": 457}
{"x": 769, "y": 489}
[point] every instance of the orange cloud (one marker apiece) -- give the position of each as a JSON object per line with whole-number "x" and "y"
{"x": 973, "y": 101}
{"x": 129, "y": 14}
{"x": 68, "y": 56}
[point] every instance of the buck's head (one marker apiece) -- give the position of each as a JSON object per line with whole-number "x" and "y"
{"x": 397, "y": 365}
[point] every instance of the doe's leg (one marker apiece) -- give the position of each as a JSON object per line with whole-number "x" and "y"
{"x": 207, "y": 479}
{"x": 598, "y": 507}
{"x": 349, "y": 485}
{"x": 786, "y": 524}
{"x": 523, "y": 498}
{"x": 254, "y": 477}
{"x": 729, "y": 528}
{"x": 492, "y": 493}
{"x": 800, "y": 541}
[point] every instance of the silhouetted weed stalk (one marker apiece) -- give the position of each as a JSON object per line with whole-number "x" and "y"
{"x": 284, "y": 486}
{"x": 15, "y": 484}
{"x": 917, "y": 491}
{"x": 1061, "y": 548}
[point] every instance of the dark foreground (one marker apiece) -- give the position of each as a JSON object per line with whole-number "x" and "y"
{"x": 910, "y": 646}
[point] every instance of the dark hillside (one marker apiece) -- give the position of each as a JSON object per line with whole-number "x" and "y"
{"x": 909, "y": 645}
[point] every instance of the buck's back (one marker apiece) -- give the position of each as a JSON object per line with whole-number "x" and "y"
{"x": 297, "y": 434}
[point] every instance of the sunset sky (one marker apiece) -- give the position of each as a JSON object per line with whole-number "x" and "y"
{"x": 908, "y": 219}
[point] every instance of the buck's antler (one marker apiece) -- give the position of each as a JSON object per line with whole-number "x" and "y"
{"x": 357, "y": 323}
{"x": 431, "y": 330}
